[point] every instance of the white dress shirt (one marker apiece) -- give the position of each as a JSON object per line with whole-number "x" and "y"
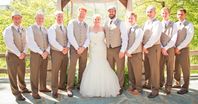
{"x": 71, "y": 37}
{"x": 124, "y": 35}
{"x": 9, "y": 40}
{"x": 32, "y": 45}
{"x": 52, "y": 37}
{"x": 156, "y": 28}
{"x": 189, "y": 36}
{"x": 172, "y": 42}
{"x": 138, "y": 39}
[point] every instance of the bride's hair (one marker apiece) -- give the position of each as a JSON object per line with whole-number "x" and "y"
{"x": 96, "y": 16}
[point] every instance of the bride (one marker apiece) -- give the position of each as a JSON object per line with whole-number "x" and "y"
{"x": 98, "y": 80}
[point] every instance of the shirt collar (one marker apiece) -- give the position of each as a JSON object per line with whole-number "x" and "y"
{"x": 79, "y": 21}
{"x": 16, "y": 27}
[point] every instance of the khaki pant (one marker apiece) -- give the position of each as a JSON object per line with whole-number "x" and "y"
{"x": 74, "y": 57}
{"x": 177, "y": 71}
{"x": 153, "y": 58}
{"x": 59, "y": 66}
{"x": 16, "y": 68}
{"x": 184, "y": 61}
{"x": 38, "y": 71}
{"x": 113, "y": 58}
{"x": 135, "y": 70}
{"x": 169, "y": 62}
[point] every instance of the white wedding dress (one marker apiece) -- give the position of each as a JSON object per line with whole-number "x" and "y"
{"x": 99, "y": 80}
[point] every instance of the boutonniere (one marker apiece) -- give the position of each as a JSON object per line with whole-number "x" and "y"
{"x": 112, "y": 26}
{"x": 132, "y": 29}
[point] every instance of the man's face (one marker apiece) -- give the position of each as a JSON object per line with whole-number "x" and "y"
{"x": 59, "y": 18}
{"x": 82, "y": 13}
{"x": 150, "y": 14}
{"x": 132, "y": 19}
{"x": 17, "y": 20}
{"x": 112, "y": 13}
{"x": 165, "y": 14}
{"x": 181, "y": 15}
{"x": 39, "y": 19}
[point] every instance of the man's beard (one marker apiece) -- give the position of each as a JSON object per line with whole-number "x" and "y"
{"x": 112, "y": 17}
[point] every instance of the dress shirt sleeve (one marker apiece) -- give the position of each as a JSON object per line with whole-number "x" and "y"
{"x": 189, "y": 36}
{"x": 9, "y": 41}
{"x": 52, "y": 39}
{"x": 124, "y": 37}
{"x": 157, "y": 31}
{"x": 70, "y": 35}
{"x": 138, "y": 41}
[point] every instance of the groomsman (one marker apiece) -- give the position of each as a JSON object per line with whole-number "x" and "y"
{"x": 58, "y": 40}
{"x": 185, "y": 34}
{"x": 38, "y": 44}
{"x": 15, "y": 40}
{"x": 134, "y": 53}
{"x": 151, "y": 48}
{"x": 78, "y": 38}
{"x": 168, "y": 39}
{"x": 116, "y": 41}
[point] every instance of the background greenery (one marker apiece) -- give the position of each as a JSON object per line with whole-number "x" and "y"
{"x": 29, "y": 7}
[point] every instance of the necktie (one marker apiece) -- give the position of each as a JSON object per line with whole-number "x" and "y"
{"x": 18, "y": 30}
{"x": 111, "y": 22}
{"x": 61, "y": 28}
{"x": 40, "y": 28}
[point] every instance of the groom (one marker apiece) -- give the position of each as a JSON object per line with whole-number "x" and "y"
{"x": 77, "y": 35}
{"x": 116, "y": 41}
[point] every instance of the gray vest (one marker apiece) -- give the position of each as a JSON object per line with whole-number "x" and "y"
{"x": 167, "y": 34}
{"x": 181, "y": 34}
{"x": 19, "y": 39}
{"x": 147, "y": 35}
{"x": 61, "y": 36}
{"x": 40, "y": 37}
{"x": 132, "y": 37}
{"x": 80, "y": 32}
{"x": 113, "y": 34}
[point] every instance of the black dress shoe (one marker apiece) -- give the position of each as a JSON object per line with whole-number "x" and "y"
{"x": 26, "y": 91}
{"x": 182, "y": 91}
{"x": 20, "y": 98}
{"x": 121, "y": 91}
{"x": 69, "y": 93}
{"x": 54, "y": 94}
{"x": 151, "y": 95}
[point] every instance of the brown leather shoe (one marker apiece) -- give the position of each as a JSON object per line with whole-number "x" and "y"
{"x": 20, "y": 97}
{"x": 54, "y": 94}
{"x": 25, "y": 91}
{"x": 182, "y": 91}
{"x": 45, "y": 90}
{"x": 135, "y": 92}
{"x": 36, "y": 96}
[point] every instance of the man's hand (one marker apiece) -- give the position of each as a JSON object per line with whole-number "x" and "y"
{"x": 128, "y": 55}
{"x": 121, "y": 55}
{"x": 65, "y": 50}
{"x": 145, "y": 50}
{"x": 164, "y": 52}
{"x": 177, "y": 51}
{"x": 45, "y": 54}
{"x": 80, "y": 50}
